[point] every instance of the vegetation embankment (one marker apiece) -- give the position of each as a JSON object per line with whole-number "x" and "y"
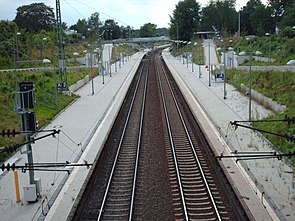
{"x": 47, "y": 104}
{"x": 279, "y": 86}
{"x": 282, "y": 49}
{"x": 122, "y": 49}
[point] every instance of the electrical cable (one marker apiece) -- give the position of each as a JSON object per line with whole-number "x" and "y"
{"x": 78, "y": 144}
{"x": 72, "y": 151}
{"x": 102, "y": 12}
{"x": 75, "y": 9}
{"x": 56, "y": 158}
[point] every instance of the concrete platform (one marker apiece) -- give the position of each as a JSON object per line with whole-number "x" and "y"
{"x": 84, "y": 126}
{"x": 267, "y": 190}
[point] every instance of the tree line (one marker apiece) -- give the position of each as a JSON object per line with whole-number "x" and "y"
{"x": 34, "y": 29}
{"x": 36, "y": 25}
{"x": 255, "y": 18}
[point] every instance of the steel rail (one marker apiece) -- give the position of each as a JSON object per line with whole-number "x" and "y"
{"x": 119, "y": 146}
{"x": 138, "y": 146}
{"x": 192, "y": 147}
{"x": 173, "y": 147}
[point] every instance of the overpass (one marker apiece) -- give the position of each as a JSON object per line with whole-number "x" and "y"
{"x": 142, "y": 40}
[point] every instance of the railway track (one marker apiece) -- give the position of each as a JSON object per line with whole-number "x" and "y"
{"x": 196, "y": 194}
{"x": 157, "y": 163}
{"x": 118, "y": 199}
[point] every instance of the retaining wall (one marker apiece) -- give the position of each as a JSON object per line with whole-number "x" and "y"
{"x": 265, "y": 101}
{"x": 79, "y": 84}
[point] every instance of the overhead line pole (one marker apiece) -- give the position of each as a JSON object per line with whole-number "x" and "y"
{"x": 61, "y": 51}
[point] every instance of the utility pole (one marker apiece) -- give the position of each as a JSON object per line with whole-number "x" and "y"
{"x": 24, "y": 102}
{"x": 63, "y": 84}
{"x": 209, "y": 66}
{"x": 177, "y": 37}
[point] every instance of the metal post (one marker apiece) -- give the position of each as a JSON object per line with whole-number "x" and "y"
{"x": 91, "y": 73}
{"x": 209, "y": 67}
{"x": 186, "y": 60}
{"x": 200, "y": 74}
{"x": 110, "y": 61}
{"x": 56, "y": 89}
{"x": 120, "y": 60}
{"x": 28, "y": 145}
{"x": 224, "y": 77}
{"x": 16, "y": 42}
{"x": 269, "y": 45}
{"x": 116, "y": 58}
{"x": 102, "y": 76}
{"x": 250, "y": 86}
{"x": 29, "y": 149}
{"x": 61, "y": 51}
{"x": 192, "y": 62}
{"x": 239, "y": 23}
{"x": 177, "y": 46}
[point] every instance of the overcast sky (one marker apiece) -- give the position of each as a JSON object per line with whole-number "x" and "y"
{"x": 126, "y": 12}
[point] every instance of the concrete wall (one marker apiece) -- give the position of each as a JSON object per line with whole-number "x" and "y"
{"x": 79, "y": 84}
{"x": 242, "y": 58}
{"x": 265, "y": 101}
{"x": 285, "y": 68}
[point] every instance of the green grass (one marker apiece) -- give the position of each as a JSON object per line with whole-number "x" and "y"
{"x": 282, "y": 49}
{"x": 197, "y": 50}
{"x": 45, "y": 96}
{"x": 122, "y": 48}
{"x": 279, "y": 86}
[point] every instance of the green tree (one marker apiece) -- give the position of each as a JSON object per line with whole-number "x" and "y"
{"x": 288, "y": 18}
{"x": 111, "y": 30}
{"x": 245, "y": 16}
{"x": 279, "y": 7}
{"x": 80, "y": 26}
{"x": 185, "y": 20}
{"x": 93, "y": 25}
{"x": 221, "y": 15}
{"x": 8, "y": 30}
{"x": 147, "y": 30}
{"x": 262, "y": 21}
{"x": 34, "y": 17}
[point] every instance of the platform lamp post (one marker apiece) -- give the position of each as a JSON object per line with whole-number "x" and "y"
{"x": 269, "y": 47}
{"x": 250, "y": 79}
{"x": 43, "y": 45}
{"x": 91, "y": 61}
{"x": 224, "y": 69}
{"x": 16, "y": 45}
{"x": 208, "y": 45}
{"x": 192, "y": 61}
{"x": 76, "y": 54}
{"x": 110, "y": 54}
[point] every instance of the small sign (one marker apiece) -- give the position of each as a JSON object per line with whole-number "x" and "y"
{"x": 61, "y": 85}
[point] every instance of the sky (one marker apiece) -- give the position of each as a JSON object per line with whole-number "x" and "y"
{"x": 134, "y": 13}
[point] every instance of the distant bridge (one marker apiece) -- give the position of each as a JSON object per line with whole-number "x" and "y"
{"x": 142, "y": 40}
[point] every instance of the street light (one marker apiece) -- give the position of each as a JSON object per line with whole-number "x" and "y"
{"x": 89, "y": 58}
{"x": 269, "y": 49}
{"x": 43, "y": 43}
{"x": 76, "y": 54}
{"x": 224, "y": 71}
{"x": 250, "y": 78}
{"x": 209, "y": 45}
{"x": 16, "y": 42}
